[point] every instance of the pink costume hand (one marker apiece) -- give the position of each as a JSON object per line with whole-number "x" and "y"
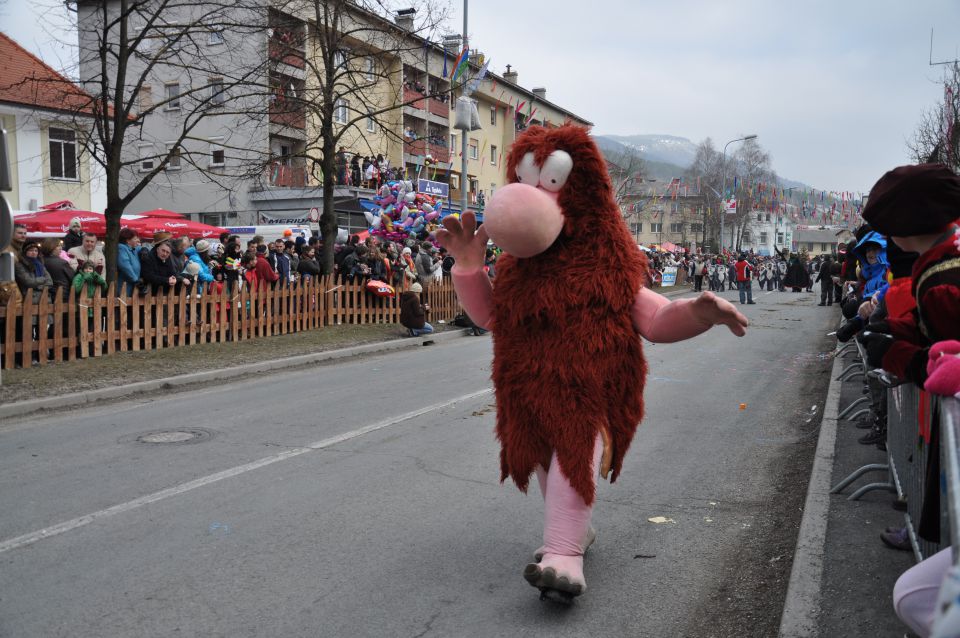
{"x": 464, "y": 241}
{"x": 663, "y": 321}
{"x": 468, "y": 245}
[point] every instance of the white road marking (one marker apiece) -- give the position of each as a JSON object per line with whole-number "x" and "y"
{"x": 66, "y": 526}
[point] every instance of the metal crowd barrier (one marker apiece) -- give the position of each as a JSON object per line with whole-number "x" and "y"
{"x": 910, "y": 425}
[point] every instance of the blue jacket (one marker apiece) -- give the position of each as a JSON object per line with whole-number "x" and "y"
{"x": 204, "y": 275}
{"x": 128, "y": 266}
{"x": 875, "y": 274}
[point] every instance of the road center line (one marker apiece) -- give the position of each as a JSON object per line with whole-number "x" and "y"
{"x": 66, "y": 526}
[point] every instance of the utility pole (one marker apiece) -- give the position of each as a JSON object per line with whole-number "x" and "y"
{"x": 6, "y": 220}
{"x": 464, "y": 181}
{"x": 723, "y": 189}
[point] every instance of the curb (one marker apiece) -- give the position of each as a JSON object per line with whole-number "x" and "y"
{"x": 21, "y": 408}
{"x": 802, "y": 605}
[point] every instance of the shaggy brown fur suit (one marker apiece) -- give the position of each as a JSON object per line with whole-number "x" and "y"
{"x": 567, "y": 358}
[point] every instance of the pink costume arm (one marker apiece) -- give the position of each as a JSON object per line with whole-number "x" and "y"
{"x": 663, "y": 321}
{"x": 475, "y": 293}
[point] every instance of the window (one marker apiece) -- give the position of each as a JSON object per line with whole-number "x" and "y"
{"x": 285, "y": 153}
{"x": 453, "y": 143}
{"x": 340, "y": 111}
{"x": 215, "y": 37}
{"x": 217, "y": 154}
{"x": 339, "y": 58}
{"x": 172, "y": 96}
{"x": 371, "y": 69}
{"x": 823, "y": 247}
{"x": 810, "y": 245}
{"x": 145, "y": 97}
{"x": 637, "y": 228}
{"x": 696, "y": 228}
{"x": 746, "y": 235}
{"x": 217, "y": 96}
{"x": 493, "y": 155}
{"x": 656, "y": 227}
{"x": 474, "y": 185}
{"x": 780, "y": 239}
{"x": 455, "y": 181}
{"x": 759, "y": 217}
{"x": 763, "y": 237}
{"x": 371, "y": 124}
{"x": 676, "y": 228}
{"x": 768, "y": 216}
{"x": 63, "y": 153}
{"x": 147, "y": 160}
{"x": 493, "y": 116}
{"x": 173, "y": 164}
{"x": 472, "y": 149}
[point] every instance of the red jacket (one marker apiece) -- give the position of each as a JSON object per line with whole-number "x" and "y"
{"x": 264, "y": 271}
{"x": 743, "y": 270}
{"x": 936, "y": 288}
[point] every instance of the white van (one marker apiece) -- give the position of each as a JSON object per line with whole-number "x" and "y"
{"x": 270, "y": 232}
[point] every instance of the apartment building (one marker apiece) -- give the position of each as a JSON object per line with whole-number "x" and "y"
{"x": 655, "y": 220}
{"x": 767, "y": 233}
{"x": 277, "y": 136}
{"x": 38, "y": 109}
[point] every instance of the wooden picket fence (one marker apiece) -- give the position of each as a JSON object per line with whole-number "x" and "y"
{"x": 78, "y": 327}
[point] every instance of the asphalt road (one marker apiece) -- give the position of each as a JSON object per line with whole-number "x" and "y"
{"x": 362, "y": 499}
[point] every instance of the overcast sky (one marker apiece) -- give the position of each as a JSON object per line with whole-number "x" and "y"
{"x": 833, "y": 88}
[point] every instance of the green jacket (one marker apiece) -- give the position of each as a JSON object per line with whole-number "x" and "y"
{"x": 92, "y": 282}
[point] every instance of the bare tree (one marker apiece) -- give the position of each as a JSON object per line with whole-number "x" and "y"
{"x": 125, "y": 48}
{"x": 937, "y": 137}
{"x": 354, "y": 63}
{"x": 707, "y": 171}
{"x": 753, "y": 169}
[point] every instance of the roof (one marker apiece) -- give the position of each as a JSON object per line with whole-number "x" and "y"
{"x": 25, "y": 80}
{"x": 816, "y": 236}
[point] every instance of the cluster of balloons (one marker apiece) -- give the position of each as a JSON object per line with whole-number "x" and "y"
{"x": 404, "y": 213}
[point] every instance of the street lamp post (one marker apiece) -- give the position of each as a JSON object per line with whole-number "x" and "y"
{"x": 723, "y": 209}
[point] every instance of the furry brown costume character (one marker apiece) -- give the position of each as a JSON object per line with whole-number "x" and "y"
{"x": 566, "y": 309}
{"x": 567, "y": 360}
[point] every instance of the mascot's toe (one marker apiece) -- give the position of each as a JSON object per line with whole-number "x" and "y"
{"x": 559, "y": 578}
{"x": 585, "y": 545}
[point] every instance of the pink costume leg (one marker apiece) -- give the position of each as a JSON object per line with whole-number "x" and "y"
{"x": 915, "y": 594}
{"x": 566, "y": 531}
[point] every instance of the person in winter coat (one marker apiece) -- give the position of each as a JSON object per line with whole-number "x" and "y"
{"x": 178, "y": 253}
{"x": 308, "y": 267}
{"x": 413, "y": 314}
{"x": 230, "y": 264}
{"x": 156, "y": 269}
{"x": 248, "y": 264}
{"x": 200, "y": 255}
{"x": 30, "y": 273}
{"x": 826, "y": 282}
{"x": 426, "y": 264}
{"x": 265, "y": 272}
{"x": 59, "y": 268}
{"x": 698, "y": 266}
{"x": 871, "y": 253}
{"x": 280, "y": 262}
{"x": 87, "y": 251}
{"x": 90, "y": 282}
{"x": 128, "y": 259}
{"x": 74, "y": 236}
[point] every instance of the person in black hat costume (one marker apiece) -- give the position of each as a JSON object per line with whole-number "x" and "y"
{"x": 797, "y": 277}
{"x": 917, "y": 207}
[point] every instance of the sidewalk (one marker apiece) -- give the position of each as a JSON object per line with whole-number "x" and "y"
{"x": 843, "y": 575}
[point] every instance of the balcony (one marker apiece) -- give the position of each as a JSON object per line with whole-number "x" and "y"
{"x": 441, "y": 109}
{"x": 410, "y": 94}
{"x": 286, "y": 176}
{"x": 440, "y": 152}
{"x": 293, "y": 119}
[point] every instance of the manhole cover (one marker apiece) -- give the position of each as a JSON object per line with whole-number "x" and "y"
{"x": 173, "y": 437}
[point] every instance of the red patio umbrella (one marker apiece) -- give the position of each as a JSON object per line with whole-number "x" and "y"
{"x": 58, "y": 221}
{"x": 147, "y": 226}
{"x": 160, "y": 212}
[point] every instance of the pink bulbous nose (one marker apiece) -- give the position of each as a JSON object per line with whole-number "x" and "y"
{"x": 522, "y": 220}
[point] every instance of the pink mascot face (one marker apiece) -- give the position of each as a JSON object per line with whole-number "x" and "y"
{"x": 525, "y": 217}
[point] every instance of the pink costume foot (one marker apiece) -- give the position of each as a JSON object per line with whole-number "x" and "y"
{"x": 566, "y": 534}
{"x": 587, "y": 541}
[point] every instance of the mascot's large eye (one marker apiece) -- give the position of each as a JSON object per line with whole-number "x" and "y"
{"x": 555, "y": 171}
{"x": 527, "y": 171}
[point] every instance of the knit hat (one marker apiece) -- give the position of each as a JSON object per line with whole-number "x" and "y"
{"x": 161, "y": 236}
{"x": 202, "y": 246}
{"x": 27, "y": 245}
{"x": 416, "y": 288}
{"x": 75, "y": 222}
{"x": 913, "y": 200}
{"x": 406, "y": 251}
{"x": 192, "y": 268}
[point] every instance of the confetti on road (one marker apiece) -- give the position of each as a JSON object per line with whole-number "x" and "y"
{"x": 659, "y": 520}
